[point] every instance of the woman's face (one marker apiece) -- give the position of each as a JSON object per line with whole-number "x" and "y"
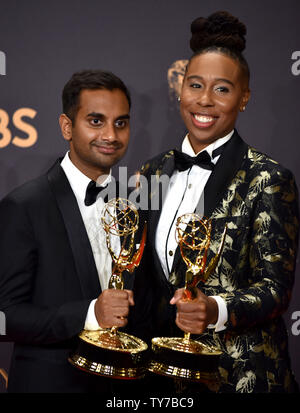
{"x": 214, "y": 90}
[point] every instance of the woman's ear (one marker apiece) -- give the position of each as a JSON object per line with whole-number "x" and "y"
{"x": 245, "y": 100}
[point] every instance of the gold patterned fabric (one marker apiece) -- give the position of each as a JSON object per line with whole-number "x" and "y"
{"x": 254, "y": 276}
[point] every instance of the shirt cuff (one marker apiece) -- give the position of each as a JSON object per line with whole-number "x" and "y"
{"x": 91, "y": 322}
{"x": 223, "y": 315}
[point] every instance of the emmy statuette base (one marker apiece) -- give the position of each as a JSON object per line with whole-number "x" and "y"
{"x": 185, "y": 359}
{"x": 111, "y": 354}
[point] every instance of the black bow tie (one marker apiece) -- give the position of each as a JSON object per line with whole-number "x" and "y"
{"x": 92, "y": 192}
{"x": 184, "y": 161}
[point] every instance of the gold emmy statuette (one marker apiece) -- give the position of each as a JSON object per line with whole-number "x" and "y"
{"x": 183, "y": 357}
{"x": 108, "y": 352}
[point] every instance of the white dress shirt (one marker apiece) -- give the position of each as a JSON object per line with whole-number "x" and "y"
{"x": 183, "y": 194}
{"x": 91, "y": 216}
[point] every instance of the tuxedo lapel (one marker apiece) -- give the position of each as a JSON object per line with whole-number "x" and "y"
{"x": 224, "y": 171}
{"x": 154, "y": 215}
{"x": 78, "y": 238}
{"x": 167, "y": 169}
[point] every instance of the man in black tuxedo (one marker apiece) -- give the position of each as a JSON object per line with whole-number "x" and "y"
{"x": 55, "y": 265}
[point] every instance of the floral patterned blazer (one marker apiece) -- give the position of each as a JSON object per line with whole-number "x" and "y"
{"x": 258, "y": 200}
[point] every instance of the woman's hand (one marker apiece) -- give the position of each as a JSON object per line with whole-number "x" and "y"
{"x": 193, "y": 316}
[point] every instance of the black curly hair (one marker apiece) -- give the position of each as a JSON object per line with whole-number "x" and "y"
{"x": 220, "y": 32}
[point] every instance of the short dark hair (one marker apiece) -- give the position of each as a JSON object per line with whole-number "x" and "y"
{"x": 89, "y": 79}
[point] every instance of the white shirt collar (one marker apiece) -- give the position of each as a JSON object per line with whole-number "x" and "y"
{"x": 188, "y": 149}
{"x": 77, "y": 179}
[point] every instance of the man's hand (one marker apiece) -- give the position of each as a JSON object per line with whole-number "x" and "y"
{"x": 195, "y": 315}
{"x": 112, "y": 308}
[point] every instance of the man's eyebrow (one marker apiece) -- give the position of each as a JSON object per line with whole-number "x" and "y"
{"x": 218, "y": 79}
{"x": 124, "y": 117}
{"x": 101, "y": 115}
{"x": 95, "y": 115}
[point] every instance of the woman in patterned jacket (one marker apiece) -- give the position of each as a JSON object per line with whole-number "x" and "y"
{"x": 240, "y": 306}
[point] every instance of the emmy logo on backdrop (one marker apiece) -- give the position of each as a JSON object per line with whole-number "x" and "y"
{"x": 183, "y": 357}
{"x": 108, "y": 352}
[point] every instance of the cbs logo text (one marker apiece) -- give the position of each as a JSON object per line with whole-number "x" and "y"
{"x": 17, "y": 120}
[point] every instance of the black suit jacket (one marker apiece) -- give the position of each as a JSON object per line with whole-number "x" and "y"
{"x": 258, "y": 200}
{"x": 47, "y": 279}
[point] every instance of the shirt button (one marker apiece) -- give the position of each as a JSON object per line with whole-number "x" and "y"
{"x": 170, "y": 253}
{"x": 189, "y": 186}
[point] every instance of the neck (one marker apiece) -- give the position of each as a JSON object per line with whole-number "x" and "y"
{"x": 92, "y": 172}
{"x": 199, "y": 146}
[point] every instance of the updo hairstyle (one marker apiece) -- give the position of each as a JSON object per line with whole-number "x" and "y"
{"x": 220, "y": 32}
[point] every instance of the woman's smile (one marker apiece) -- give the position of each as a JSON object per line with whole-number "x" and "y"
{"x": 203, "y": 121}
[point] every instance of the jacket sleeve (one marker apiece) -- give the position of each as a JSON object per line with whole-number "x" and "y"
{"x": 271, "y": 257}
{"x": 27, "y": 322}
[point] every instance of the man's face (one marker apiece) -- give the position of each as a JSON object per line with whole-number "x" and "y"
{"x": 99, "y": 135}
